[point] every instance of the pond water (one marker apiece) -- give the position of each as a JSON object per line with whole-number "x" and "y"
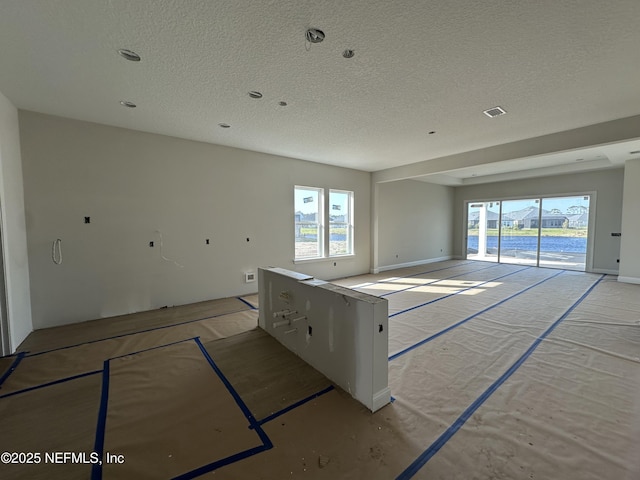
{"x": 547, "y": 244}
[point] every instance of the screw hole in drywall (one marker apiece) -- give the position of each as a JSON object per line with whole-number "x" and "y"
{"x": 380, "y": 328}
{"x": 87, "y": 219}
{"x": 310, "y": 330}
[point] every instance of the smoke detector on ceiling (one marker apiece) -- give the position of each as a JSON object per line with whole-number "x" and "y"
{"x": 495, "y": 112}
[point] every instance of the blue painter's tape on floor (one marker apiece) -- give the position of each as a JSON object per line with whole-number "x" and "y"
{"x": 455, "y": 325}
{"x": 133, "y": 333}
{"x": 253, "y": 307}
{"x": 419, "y": 462}
{"x": 455, "y": 293}
{"x": 266, "y": 442}
{"x": 96, "y": 469}
{"x": 295, "y": 405}
{"x": 433, "y": 281}
{"x": 49, "y": 384}
{"x": 12, "y": 367}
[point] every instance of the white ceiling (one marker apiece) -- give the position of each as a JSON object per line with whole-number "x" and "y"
{"x": 419, "y": 66}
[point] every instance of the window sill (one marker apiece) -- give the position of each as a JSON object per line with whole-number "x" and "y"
{"x": 323, "y": 259}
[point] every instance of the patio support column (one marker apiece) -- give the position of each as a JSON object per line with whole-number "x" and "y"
{"x": 482, "y": 231}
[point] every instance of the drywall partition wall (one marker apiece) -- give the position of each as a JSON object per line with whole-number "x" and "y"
{"x": 414, "y": 223}
{"x": 14, "y": 240}
{"x": 607, "y": 185}
{"x": 629, "y": 257}
{"x": 338, "y": 331}
{"x": 138, "y": 188}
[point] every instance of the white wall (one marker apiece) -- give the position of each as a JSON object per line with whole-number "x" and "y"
{"x": 132, "y": 184}
{"x": 414, "y": 223}
{"x": 606, "y": 183}
{"x": 629, "y": 258}
{"x": 14, "y": 238}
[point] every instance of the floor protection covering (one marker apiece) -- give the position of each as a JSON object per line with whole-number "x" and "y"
{"x": 169, "y": 413}
{"x": 497, "y": 371}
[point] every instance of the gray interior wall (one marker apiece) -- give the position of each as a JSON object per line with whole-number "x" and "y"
{"x": 133, "y": 185}
{"x": 14, "y": 240}
{"x": 607, "y": 184}
{"x": 414, "y": 222}
{"x": 629, "y": 258}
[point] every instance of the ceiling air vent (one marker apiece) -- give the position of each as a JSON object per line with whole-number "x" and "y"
{"x": 494, "y": 112}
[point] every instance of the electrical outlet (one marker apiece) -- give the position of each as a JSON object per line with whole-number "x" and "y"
{"x": 249, "y": 277}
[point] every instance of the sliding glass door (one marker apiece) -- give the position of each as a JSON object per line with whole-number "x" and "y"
{"x": 482, "y": 231}
{"x": 565, "y": 227}
{"x": 546, "y": 231}
{"x": 519, "y": 232}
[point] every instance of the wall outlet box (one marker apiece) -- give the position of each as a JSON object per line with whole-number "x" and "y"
{"x": 249, "y": 277}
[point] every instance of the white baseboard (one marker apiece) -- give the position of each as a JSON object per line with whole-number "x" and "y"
{"x": 629, "y": 279}
{"x": 604, "y": 270}
{"x": 410, "y": 264}
{"x": 380, "y": 399}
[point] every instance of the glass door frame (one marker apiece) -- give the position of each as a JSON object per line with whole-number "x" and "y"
{"x": 539, "y": 196}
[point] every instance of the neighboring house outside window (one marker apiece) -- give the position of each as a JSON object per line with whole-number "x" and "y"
{"x": 312, "y": 217}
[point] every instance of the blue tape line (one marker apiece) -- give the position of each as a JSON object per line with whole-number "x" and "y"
{"x": 133, "y": 333}
{"x": 455, "y": 293}
{"x": 221, "y": 463}
{"x": 266, "y": 442}
{"x": 74, "y": 377}
{"x": 12, "y": 367}
{"x": 420, "y": 273}
{"x": 419, "y": 462}
{"x": 155, "y": 348}
{"x": 437, "y": 280}
{"x": 247, "y": 303}
{"x": 247, "y": 413}
{"x": 49, "y": 384}
{"x": 96, "y": 468}
{"x": 296, "y": 405}
{"x": 455, "y": 325}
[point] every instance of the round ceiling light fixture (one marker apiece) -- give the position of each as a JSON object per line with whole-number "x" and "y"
{"x": 314, "y": 35}
{"x": 129, "y": 55}
{"x": 127, "y": 104}
{"x": 348, "y": 53}
{"x": 224, "y": 125}
{"x": 255, "y": 94}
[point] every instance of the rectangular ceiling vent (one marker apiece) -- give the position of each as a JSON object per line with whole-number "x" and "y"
{"x": 495, "y": 112}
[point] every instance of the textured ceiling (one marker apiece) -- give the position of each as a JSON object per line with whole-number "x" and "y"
{"x": 419, "y": 66}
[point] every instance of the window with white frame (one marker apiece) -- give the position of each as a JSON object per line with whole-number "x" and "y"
{"x": 309, "y": 203}
{"x": 340, "y": 222}
{"x": 314, "y": 212}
